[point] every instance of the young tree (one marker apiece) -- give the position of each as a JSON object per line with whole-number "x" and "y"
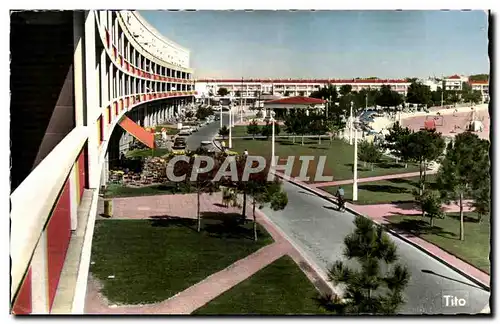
{"x": 267, "y": 130}
{"x": 425, "y": 146}
{"x": 253, "y": 128}
{"x": 369, "y": 153}
{"x": 259, "y": 188}
{"x": 397, "y": 142}
{"x": 376, "y": 287}
{"x": 317, "y": 125}
{"x": 430, "y": 204}
{"x": 202, "y": 182}
{"x": 482, "y": 200}
{"x": 224, "y": 131}
{"x": 222, "y": 92}
{"x": 291, "y": 122}
{"x": 464, "y": 169}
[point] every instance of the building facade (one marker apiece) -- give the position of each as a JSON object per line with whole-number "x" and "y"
{"x": 253, "y": 88}
{"x": 483, "y": 87}
{"x": 75, "y": 76}
{"x": 454, "y": 82}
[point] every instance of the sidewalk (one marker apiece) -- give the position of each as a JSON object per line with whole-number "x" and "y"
{"x": 370, "y": 179}
{"x": 377, "y": 213}
{"x": 194, "y": 297}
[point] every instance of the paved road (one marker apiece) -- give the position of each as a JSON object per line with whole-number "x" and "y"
{"x": 319, "y": 230}
{"x": 314, "y": 225}
{"x": 206, "y": 133}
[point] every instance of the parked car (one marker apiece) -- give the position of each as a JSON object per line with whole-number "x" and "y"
{"x": 179, "y": 143}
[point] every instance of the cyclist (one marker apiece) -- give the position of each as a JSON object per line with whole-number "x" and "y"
{"x": 340, "y": 196}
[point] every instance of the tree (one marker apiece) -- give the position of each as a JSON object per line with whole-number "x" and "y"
{"x": 291, "y": 123}
{"x": 297, "y": 123}
{"x": 469, "y": 95}
{"x": 479, "y": 77}
{"x": 376, "y": 287}
{"x": 267, "y": 130}
{"x": 302, "y": 122}
{"x": 203, "y": 181}
{"x": 464, "y": 170}
{"x": 327, "y": 92}
{"x": 253, "y": 128}
{"x": 418, "y": 94}
{"x": 222, "y": 92}
{"x": 259, "y": 188}
{"x": 430, "y": 203}
{"x": 388, "y": 98}
{"x": 425, "y": 146}
{"x": 204, "y": 112}
{"x": 369, "y": 153}
{"x": 317, "y": 124}
{"x": 397, "y": 142}
{"x": 224, "y": 132}
{"x": 189, "y": 114}
{"x": 482, "y": 200}
{"x": 345, "y": 89}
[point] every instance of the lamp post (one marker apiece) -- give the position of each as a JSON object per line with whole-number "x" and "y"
{"x": 220, "y": 107}
{"x": 355, "y": 168}
{"x": 273, "y": 164}
{"x": 230, "y": 126}
{"x": 350, "y": 125}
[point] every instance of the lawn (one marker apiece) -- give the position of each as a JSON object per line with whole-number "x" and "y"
{"x": 383, "y": 191}
{"x": 475, "y": 249}
{"x": 152, "y": 260}
{"x": 147, "y": 152}
{"x": 280, "y": 288}
{"x": 339, "y": 157}
{"x": 116, "y": 190}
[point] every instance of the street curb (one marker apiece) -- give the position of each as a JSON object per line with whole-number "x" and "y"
{"x": 456, "y": 269}
{"x": 320, "y": 273}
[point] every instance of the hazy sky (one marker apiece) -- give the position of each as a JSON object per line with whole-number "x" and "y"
{"x": 337, "y": 44}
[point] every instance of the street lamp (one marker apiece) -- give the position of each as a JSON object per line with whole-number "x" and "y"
{"x": 230, "y": 126}
{"x": 355, "y": 168}
{"x": 220, "y": 107}
{"x": 350, "y": 125}
{"x": 273, "y": 164}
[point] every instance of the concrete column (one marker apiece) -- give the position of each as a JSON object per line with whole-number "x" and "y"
{"x": 78, "y": 67}
{"x": 73, "y": 191}
{"x": 105, "y": 170}
{"x": 39, "y": 278}
{"x": 104, "y": 79}
{"x": 112, "y": 94}
{"x": 91, "y": 100}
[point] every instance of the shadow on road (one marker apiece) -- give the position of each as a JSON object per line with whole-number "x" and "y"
{"x": 452, "y": 279}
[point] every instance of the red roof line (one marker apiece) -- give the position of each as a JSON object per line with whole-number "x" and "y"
{"x": 297, "y": 101}
{"x": 306, "y": 80}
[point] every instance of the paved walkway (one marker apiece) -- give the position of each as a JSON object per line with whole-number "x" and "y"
{"x": 370, "y": 179}
{"x": 378, "y": 213}
{"x": 196, "y": 296}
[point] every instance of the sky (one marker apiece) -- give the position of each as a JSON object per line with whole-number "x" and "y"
{"x": 328, "y": 44}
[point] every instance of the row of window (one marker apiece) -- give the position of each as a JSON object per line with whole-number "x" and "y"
{"x": 130, "y": 60}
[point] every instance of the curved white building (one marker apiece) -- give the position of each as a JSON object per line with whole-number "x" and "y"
{"x": 75, "y": 76}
